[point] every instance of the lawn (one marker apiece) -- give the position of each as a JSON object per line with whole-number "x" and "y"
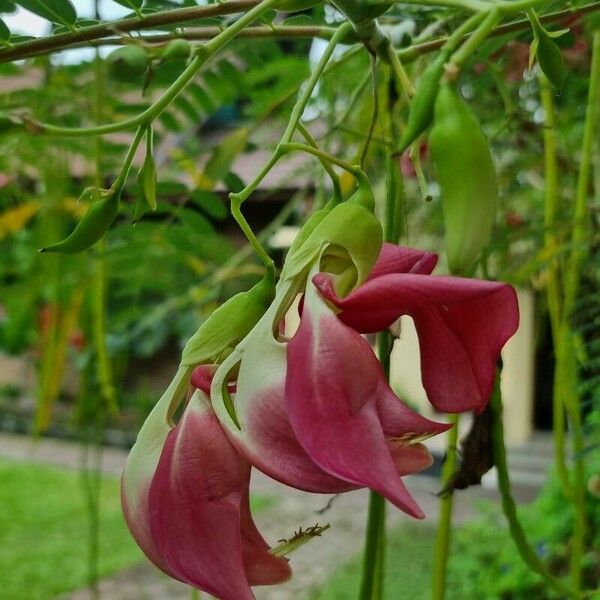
{"x": 44, "y": 531}
{"x": 408, "y": 568}
{"x": 44, "y": 527}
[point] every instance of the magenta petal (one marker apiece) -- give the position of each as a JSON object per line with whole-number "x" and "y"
{"x": 400, "y": 259}
{"x": 462, "y": 325}
{"x": 409, "y": 458}
{"x": 331, "y": 386}
{"x": 272, "y": 447}
{"x": 399, "y": 421}
{"x": 202, "y": 377}
{"x": 198, "y": 511}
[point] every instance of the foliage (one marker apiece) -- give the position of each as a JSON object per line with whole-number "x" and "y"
{"x": 44, "y": 525}
{"x": 485, "y": 564}
{"x": 44, "y": 522}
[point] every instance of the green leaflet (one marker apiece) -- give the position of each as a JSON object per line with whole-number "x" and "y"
{"x": 56, "y": 11}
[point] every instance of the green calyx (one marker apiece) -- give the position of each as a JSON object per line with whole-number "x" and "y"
{"x": 103, "y": 209}
{"x": 229, "y": 324}
{"x": 352, "y": 233}
{"x": 467, "y": 178}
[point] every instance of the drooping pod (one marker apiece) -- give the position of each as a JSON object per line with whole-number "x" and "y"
{"x": 103, "y": 209}
{"x": 467, "y": 179}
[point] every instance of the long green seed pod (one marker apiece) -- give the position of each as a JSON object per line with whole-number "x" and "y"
{"x": 467, "y": 178}
{"x": 94, "y": 223}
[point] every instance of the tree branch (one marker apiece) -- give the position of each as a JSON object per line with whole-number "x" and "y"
{"x": 96, "y": 32}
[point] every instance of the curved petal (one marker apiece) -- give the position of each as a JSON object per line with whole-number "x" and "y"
{"x": 142, "y": 463}
{"x": 263, "y": 433}
{"x": 462, "y": 325}
{"x": 331, "y": 395}
{"x": 400, "y": 259}
{"x": 198, "y": 514}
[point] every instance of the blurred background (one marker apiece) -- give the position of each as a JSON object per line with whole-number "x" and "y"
{"x": 88, "y": 342}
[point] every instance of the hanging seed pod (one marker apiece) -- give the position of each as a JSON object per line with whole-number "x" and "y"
{"x": 177, "y": 50}
{"x": 128, "y": 64}
{"x": 103, "y": 209}
{"x": 467, "y": 178}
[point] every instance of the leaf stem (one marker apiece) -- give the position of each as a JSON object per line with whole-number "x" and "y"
{"x": 444, "y": 525}
{"x": 335, "y": 180}
{"x": 476, "y": 38}
{"x": 295, "y": 115}
{"x": 119, "y": 182}
{"x": 553, "y": 293}
{"x": 509, "y": 507}
{"x": 371, "y": 587}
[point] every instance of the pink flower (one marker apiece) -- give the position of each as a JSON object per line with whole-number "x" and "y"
{"x": 278, "y": 383}
{"x": 340, "y": 407}
{"x": 462, "y": 323}
{"x": 186, "y": 501}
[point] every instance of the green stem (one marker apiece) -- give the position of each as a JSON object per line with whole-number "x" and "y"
{"x": 400, "y": 75}
{"x": 413, "y": 52}
{"x": 335, "y": 180}
{"x": 371, "y": 587}
{"x": 553, "y": 294}
{"x": 254, "y": 242}
{"x": 295, "y": 115}
{"x": 476, "y": 39}
{"x": 571, "y": 287}
{"x": 509, "y": 507}
{"x": 119, "y": 182}
{"x": 353, "y": 169}
{"x": 203, "y": 54}
{"x": 238, "y": 199}
{"x": 472, "y": 5}
{"x": 580, "y": 216}
{"x": 444, "y": 526}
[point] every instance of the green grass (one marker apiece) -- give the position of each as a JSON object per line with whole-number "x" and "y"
{"x": 408, "y": 568}
{"x": 44, "y": 536}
